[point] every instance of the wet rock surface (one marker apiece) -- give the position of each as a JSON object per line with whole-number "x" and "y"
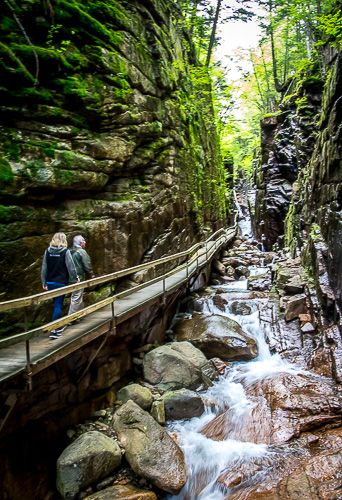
{"x": 149, "y": 449}
{"x": 217, "y": 336}
{"x": 89, "y": 458}
{"x": 174, "y": 366}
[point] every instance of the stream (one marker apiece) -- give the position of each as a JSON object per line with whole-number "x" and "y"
{"x": 251, "y": 437}
{"x": 208, "y": 458}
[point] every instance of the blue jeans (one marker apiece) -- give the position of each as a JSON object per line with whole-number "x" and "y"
{"x": 57, "y": 301}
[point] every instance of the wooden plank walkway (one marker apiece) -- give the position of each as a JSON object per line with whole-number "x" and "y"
{"x": 45, "y": 351}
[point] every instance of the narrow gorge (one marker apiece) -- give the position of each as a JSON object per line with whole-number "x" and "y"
{"x": 206, "y": 363}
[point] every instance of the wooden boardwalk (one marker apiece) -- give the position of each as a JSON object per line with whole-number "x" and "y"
{"x": 41, "y": 351}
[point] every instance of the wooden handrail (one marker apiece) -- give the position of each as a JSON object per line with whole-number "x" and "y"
{"x": 36, "y": 332}
{"x": 200, "y": 248}
{"x": 47, "y": 295}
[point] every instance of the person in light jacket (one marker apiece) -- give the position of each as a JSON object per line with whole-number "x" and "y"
{"x": 58, "y": 270}
{"x": 84, "y": 269}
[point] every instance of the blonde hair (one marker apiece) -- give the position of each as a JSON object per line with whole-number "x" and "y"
{"x": 59, "y": 240}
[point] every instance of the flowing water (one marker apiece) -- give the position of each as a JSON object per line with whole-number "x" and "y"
{"x": 240, "y": 439}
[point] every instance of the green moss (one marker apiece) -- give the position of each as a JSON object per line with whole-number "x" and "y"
{"x": 270, "y": 115}
{"x": 6, "y": 174}
{"x": 33, "y": 94}
{"x": 9, "y": 58}
{"x": 5, "y": 213}
{"x": 71, "y": 10}
{"x": 11, "y": 147}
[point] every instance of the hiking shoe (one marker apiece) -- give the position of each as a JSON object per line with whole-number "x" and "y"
{"x": 54, "y": 334}
{"x": 59, "y": 330}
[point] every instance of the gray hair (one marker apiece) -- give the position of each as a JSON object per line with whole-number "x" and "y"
{"x": 78, "y": 240}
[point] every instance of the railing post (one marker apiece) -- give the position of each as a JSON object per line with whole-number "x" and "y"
{"x": 113, "y": 322}
{"x": 28, "y": 356}
{"x": 164, "y": 285}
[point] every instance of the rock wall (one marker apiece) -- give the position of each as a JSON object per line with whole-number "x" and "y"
{"x": 287, "y": 140}
{"x": 108, "y": 130}
{"x": 300, "y": 179}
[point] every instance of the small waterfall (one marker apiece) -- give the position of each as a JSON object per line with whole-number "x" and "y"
{"x": 227, "y": 436}
{"x": 244, "y": 217}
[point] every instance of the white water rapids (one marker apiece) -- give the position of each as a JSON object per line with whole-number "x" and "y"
{"x": 206, "y": 458}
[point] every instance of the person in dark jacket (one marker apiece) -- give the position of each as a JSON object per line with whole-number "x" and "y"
{"x": 58, "y": 270}
{"x": 84, "y": 269}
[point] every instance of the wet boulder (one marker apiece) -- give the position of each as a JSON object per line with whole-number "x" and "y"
{"x": 241, "y": 271}
{"x": 92, "y": 456}
{"x": 182, "y": 404}
{"x": 260, "y": 282}
{"x": 174, "y": 366}
{"x": 240, "y": 308}
{"x": 234, "y": 261}
{"x": 120, "y": 491}
{"x": 212, "y": 370}
{"x": 220, "y": 302}
{"x": 217, "y": 336}
{"x": 149, "y": 449}
{"x": 218, "y": 267}
{"x": 137, "y": 393}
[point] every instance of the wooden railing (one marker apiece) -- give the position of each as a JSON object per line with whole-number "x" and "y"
{"x": 215, "y": 241}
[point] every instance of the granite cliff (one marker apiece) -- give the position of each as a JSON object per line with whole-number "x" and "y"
{"x": 299, "y": 178}
{"x": 107, "y": 129}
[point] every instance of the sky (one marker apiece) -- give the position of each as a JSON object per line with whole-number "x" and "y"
{"x": 234, "y": 36}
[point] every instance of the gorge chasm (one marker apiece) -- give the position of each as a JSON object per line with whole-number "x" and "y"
{"x": 231, "y": 387}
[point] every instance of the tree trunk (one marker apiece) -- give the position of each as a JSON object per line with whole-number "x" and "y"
{"x": 213, "y": 32}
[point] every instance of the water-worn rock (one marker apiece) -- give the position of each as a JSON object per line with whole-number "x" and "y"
{"x": 122, "y": 492}
{"x": 212, "y": 370}
{"x": 308, "y": 468}
{"x": 240, "y": 308}
{"x": 287, "y": 405}
{"x": 260, "y": 282}
{"x": 89, "y": 458}
{"x": 182, "y": 403}
{"x": 217, "y": 336}
{"x": 149, "y": 449}
{"x": 139, "y": 394}
{"x": 174, "y": 366}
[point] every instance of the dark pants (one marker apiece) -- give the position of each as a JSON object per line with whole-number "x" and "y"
{"x": 57, "y": 301}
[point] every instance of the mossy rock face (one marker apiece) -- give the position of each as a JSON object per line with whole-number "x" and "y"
{"x": 107, "y": 130}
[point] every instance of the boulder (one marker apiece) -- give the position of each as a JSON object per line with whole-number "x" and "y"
{"x": 174, "y": 366}
{"x": 217, "y": 336}
{"x": 182, "y": 403}
{"x": 295, "y": 306}
{"x": 212, "y": 370}
{"x": 149, "y": 449}
{"x": 218, "y": 267}
{"x": 158, "y": 412}
{"x": 241, "y": 271}
{"x": 91, "y": 457}
{"x": 260, "y": 282}
{"x": 137, "y": 393}
{"x": 240, "y": 308}
{"x": 220, "y": 302}
{"x": 122, "y": 491}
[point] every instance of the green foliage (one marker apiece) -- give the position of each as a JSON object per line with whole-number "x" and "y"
{"x": 330, "y": 25}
